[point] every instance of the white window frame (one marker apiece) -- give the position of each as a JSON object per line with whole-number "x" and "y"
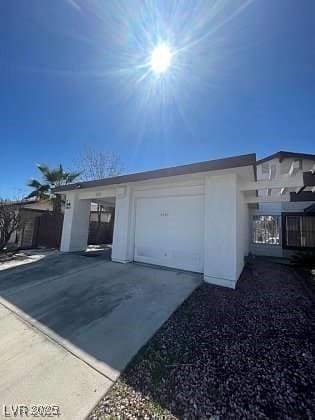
{"x": 268, "y": 236}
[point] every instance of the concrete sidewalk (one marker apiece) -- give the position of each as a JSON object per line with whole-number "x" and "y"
{"x": 36, "y": 370}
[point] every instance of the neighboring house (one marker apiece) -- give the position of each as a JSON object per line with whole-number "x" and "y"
{"x": 39, "y": 228}
{"x": 203, "y": 217}
{"x": 35, "y": 204}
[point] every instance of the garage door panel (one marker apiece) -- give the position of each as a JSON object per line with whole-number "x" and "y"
{"x": 149, "y": 230}
{"x": 169, "y": 232}
{"x": 146, "y": 251}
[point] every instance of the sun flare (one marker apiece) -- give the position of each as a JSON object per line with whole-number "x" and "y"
{"x": 161, "y": 58}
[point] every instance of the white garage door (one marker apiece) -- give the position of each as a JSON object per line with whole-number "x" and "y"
{"x": 170, "y": 232}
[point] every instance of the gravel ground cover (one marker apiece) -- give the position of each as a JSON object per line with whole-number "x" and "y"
{"x": 226, "y": 354}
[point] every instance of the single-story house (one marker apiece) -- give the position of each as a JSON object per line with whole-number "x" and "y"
{"x": 204, "y": 217}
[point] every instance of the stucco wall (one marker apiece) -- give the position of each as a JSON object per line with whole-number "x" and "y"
{"x": 121, "y": 236}
{"x": 242, "y": 232}
{"x": 75, "y": 224}
{"x": 225, "y": 212}
{"x": 222, "y": 255}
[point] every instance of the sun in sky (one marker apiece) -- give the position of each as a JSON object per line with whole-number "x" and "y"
{"x": 161, "y": 58}
{"x": 159, "y": 52}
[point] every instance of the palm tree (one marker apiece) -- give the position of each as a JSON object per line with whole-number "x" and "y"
{"x": 52, "y": 178}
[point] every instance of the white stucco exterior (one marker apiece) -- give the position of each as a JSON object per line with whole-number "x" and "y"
{"x": 214, "y": 244}
{"x": 199, "y": 220}
{"x": 75, "y": 224}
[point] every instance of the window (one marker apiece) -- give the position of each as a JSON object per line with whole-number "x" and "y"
{"x": 299, "y": 231}
{"x": 266, "y": 230}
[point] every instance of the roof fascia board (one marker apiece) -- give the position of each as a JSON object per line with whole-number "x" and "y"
{"x": 207, "y": 166}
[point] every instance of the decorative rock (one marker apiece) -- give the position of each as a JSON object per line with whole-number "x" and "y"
{"x": 226, "y": 354}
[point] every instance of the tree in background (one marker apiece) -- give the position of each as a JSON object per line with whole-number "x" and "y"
{"x": 96, "y": 164}
{"x": 10, "y": 221}
{"x": 51, "y": 178}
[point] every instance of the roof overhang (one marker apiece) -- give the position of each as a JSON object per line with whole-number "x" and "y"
{"x": 286, "y": 155}
{"x": 207, "y": 166}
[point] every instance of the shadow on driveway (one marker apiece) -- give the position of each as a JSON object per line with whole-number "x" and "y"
{"x": 100, "y": 312}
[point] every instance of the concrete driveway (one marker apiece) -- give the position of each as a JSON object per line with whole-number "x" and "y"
{"x": 70, "y": 323}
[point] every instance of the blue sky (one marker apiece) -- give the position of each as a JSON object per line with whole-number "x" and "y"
{"x": 73, "y": 73}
